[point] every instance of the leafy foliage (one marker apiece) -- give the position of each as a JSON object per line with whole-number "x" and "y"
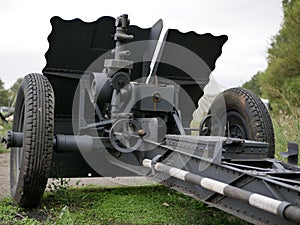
{"x": 16, "y": 85}
{"x": 287, "y": 127}
{"x": 7, "y": 96}
{"x": 254, "y": 84}
{"x": 3, "y": 94}
{"x": 281, "y": 80}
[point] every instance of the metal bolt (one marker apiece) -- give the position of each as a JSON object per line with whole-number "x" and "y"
{"x": 141, "y": 132}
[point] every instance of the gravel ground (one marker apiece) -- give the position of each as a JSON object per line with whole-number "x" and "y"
{"x": 4, "y": 175}
{"x": 101, "y": 181}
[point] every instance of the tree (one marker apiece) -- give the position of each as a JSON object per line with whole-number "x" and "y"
{"x": 254, "y": 84}
{"x": 14, "y": 90}
{"x": 281, "y": 79}
{"x": 16, "y": 85}
{"x": 7, "y": 96}
{"x": 1, "y": 84}
{"x": 3, "y": 94}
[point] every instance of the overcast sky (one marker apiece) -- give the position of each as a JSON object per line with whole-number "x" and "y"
{"x": 249, "y": 24}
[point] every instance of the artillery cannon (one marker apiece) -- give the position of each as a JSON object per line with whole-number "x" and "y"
{"x": 98, "y": 110}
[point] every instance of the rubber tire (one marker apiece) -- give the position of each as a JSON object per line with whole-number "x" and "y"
{"x": 34, "y": 116}
{"x": 254, "y": 117}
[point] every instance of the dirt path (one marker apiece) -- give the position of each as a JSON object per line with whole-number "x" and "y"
{"x": 107, "y": 181}
{"x": 4, "y": 175}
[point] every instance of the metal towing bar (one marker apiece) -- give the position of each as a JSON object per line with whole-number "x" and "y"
{"x": 271, "y": 205}
{"x": 260, "y": 191}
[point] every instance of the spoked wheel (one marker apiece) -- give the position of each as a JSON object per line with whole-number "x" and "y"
{"x": 34, "y": 117}
{"x": 236, "y": 125}
{"x": 240, "y": 114}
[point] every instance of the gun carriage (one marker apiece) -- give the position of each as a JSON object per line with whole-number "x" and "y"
{"x": 98, "y": 110}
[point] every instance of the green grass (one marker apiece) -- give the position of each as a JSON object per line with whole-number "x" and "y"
{"x": 287, "y": 128}
{"x": 153, "y": 204}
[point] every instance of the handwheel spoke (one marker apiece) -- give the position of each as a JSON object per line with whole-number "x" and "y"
{"x": 127, "y": 144}
{"x": 118, "y": 136}
{"x": 128, "y": 141}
